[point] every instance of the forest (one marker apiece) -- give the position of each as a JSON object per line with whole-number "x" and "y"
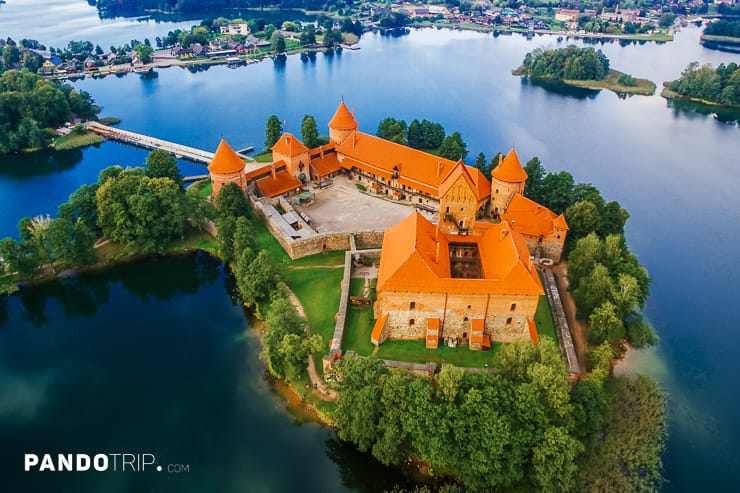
{"x": 724, "y": 27}
{"x": 570, "y": 63}
{"x": 720, "y": 85}
{"x": 31, "y": 106}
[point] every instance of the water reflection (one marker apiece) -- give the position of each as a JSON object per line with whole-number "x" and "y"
{"x": 360, "y": 474}
{"x": 694, "y": 111}
{"x": 39, "y": 163}
{"x": 558, "y": 87}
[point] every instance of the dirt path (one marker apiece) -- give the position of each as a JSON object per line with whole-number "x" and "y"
{"x": 320, "y": 390}
{"x": 577, "y": 328}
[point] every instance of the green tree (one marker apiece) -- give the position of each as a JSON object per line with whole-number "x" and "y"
{"x": 161, "y": 164}
{"x": 226, "y": 228}
{"x": 308, "y": 35}
{"x": 393, "y": 130}
{"x": 277, "y": 40}
{"x": 11, "y": 56}
{"x": 244, "y": 236}
{"x": 296, "y": 351}
{"x": 414, "y": 136}
{"x": 583, "y": 218}
{"x": 309, "y": 132}
{"x": 453, "y": 147}
{"x": 481, "y": 163}
{"x": 666, "y": 19}
{"x": 71, "y": 242}
{"x": 554, "y": 460}
{"x": 232, "y": 202}
{"x": 535, "y": 175}
{"x": 144, "y": 52}
{"x": 605, "y": 324}
{"x": 257, "y": 280}
{"x": 593, "y": 290}
{"x": 273, "y": 130}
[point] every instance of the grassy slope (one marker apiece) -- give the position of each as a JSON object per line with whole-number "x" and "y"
{"x": 644, "y": 87}
{"x": 74, "y": 141}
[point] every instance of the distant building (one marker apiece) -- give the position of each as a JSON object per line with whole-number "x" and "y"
{"x": 235, "y": 29}
{"x": 567, "y": 15}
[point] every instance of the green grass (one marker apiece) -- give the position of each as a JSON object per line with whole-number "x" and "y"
{"x": 328, "y": 259}
{"x": 204, "y": 187}
{"x": 195, "y": 240}
{"x": 110, "y": 120}
{"x": 543, "y": 320}
{"x": 265, "y": 241}
{"x": 611, "y": 82}
{"x": 264, "y": 157}
{"x": 74, "y": 141}
{"x": 416, "y": 352}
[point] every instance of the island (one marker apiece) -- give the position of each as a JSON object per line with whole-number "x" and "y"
{"x": 581, "y": 67}
{"x": 708, "y": 86}
{"x": 416, "y": 321}
{"x": 724, "y": 33}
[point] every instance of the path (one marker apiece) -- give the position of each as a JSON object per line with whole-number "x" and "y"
{"x": 577, "y": 327}
{"x": 561, "y": 322}
{"x": 319, "y": 389}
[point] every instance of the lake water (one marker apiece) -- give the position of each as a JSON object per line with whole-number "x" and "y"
{"x": 676, "y": 171}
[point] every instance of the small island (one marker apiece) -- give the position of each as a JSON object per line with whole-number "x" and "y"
{"x": 721, "y": 34}
{"x": 705, "y": 85}
{"x": 581, "y": 67}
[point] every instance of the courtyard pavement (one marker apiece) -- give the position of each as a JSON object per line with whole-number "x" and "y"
{"x": 343, "y": 208}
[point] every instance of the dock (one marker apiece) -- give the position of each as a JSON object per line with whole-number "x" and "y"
{"x": 152, "y": 143}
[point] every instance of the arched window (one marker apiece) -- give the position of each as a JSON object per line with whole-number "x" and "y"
{"x": 411, "y": 322}
{"x": 412, "y": 305}
{"x": 508, "y": 321}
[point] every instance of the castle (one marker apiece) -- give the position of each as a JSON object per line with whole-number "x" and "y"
{"x": 467, "y": 279}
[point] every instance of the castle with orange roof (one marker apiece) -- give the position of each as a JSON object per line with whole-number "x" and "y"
{"x": 470, "y": 277}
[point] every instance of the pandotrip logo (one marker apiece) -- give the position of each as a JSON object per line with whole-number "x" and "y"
{"x": 118, "y": 462}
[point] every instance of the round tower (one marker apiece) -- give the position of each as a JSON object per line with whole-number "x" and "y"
{"x": 226, "y": 167}
{"x": 507, "y": 179}
{"x": 341, "y": 125}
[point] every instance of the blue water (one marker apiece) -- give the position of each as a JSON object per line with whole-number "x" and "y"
{"x": 675, "y": 171}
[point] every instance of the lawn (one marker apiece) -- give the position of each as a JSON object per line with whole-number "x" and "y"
{"x": 318, "y": 289}
{"x": 264, "y": 157}
{"x": 75, "y": 140}
{"x": 204, "y": 187}
{"x": 416, "y": 352}
{"x": 543, "y": 320}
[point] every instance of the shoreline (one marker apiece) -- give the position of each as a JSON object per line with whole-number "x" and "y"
{"x": 643, "y": 87}
{"x": 670, "y": 95}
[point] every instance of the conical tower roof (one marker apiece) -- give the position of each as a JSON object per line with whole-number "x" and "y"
{"x": 343, "y": 119}
{"x": 225, "y": 160}
{"x": 510, "y": 169}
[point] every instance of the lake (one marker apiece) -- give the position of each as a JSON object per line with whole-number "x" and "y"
{"x": 676, "y": 171}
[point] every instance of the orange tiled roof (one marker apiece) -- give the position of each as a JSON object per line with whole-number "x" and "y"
{"x": 282, "y": 182}
{"x": 225, "y": 160}
{"x": 416, "y": 169}
{"x": 326, "y": 165}
{"x": 530, "y": 218}
{"x": 559, "y": 222}
{"x": 460, "y": 170}
{"x": 289, "y": 145}
{"x": 415, "y": 257}
{"x": 343, "y": 119}
{"x": 510, "y": 169}
{"x": 378, "y": 328}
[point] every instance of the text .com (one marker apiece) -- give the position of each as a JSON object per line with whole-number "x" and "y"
{"x": 122, "y": 462}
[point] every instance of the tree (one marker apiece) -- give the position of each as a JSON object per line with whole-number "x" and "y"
{"x": 535, "y": 175}
{"x": 282, "y": 321}
{"x": 309, "y": 132}
{"x": 226, "y": 228}
{"x": 11, "y": 56}
{"x": 481, "y": 163}
{"x": 71, "y": 242}
{"x": 277, "y": 40}
{"x": 554, "y": 460}
{"x": 244, "y": 236}
{"x": 332, "y": 38}
{"x": 257, "y": 280}
{"x": 414, "y": 137}
{"x": 605, "y": 324}
{"x": 432, "y": 134}
{"x": 583, "y": 218}
{"x": 453, "y": 147}
{"x": 161, "y": 164}
{"x": 308, "y": 35}
{"x": 666, "y": 19}
{"x": 557, "y": 191}
{"x": 593, "y": 290}
{"x": 273, "y": 130}
{"x": 231, "y": 202}
{"x": 144, "y": 52}
{"x": 392, "y": 129}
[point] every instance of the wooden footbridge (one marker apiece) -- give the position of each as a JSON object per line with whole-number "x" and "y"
{"x": 139, "y": 140}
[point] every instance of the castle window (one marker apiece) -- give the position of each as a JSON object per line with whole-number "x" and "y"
{"x": 508, "y": 321}
{"x": 558, "y": 237}
{"x": 497, "y": 190}
{"x": 461, "y": 209}
{"x": 411, "y": 322}
{"x": 465, "y": 335}
{"x": 469, "y": 307}
{"x": 412, "y": 305}
{"x": 447, "y": 210}
{"x": 513, "y": 307}
{"x": 465, "y": 319}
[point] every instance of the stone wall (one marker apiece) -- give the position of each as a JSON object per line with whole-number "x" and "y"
{"x": 297, "y": 248}
{"x": 505, "y": 315}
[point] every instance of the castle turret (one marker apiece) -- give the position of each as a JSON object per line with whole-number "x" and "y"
{"x": 507, "y": 179}
{"x": 293, "y": 153}
{"x": 342, "y": 124}
{"x": 225, "y": 167}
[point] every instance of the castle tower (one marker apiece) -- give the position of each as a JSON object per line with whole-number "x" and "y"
{"x": 458, "y": 203}
{"x": 507, "y": 179}
{"x": 225, "y": 167}
{"x": 293, "y": 153}
{"x": 341, "y": 125}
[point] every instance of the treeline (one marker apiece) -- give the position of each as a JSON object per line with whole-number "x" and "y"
{"x": 31, "y": 106}
{"x": 607, "y": 281}
{"x": 111, "y": 8}
{"x": 286, "y": 345}
{"x": 720, "y": 85}
{"x": 141, "y": 208}
{"x": 724, "y": 28}
{"x": 522, "y": 429}
{"x": 571, "y": 63}
{"x": 425, "y": 135}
